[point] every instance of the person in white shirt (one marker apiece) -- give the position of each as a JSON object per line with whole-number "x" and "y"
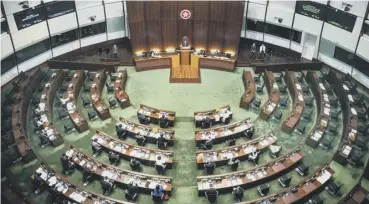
{"x": 115, "y": 51}
{"x": 262, "y": 50}
{"x": 63, "y": 101}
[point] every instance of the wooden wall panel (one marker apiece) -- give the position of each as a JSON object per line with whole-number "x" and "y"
{"x": 233, "y": 26}
{"x": 153, "y": 25}
{"x": 218, "y": 10}
{"x": 201, "y": 16}
{"x": 185, "y": 27}
{"x": 137, "y": 28}
{"x": 169, "y": 24}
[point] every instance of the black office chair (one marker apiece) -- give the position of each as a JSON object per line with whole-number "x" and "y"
{"x": 283, "y": 102}
{"x": 326, "y": 142}
{"x": 257, "y": 78}
{"x": 238, "y": 194}
{"x": 110, "y": 88}
{"x": 160, "y": 169}
{"x": 164, "y": 123}
{"x": 113, "y": 103}
{"x": 87, "y": 87}
{"x": 129, "y": 196}
{"x": 333, "y": 127}
{"x": 113, "y": 76}
{"x": 209, "y": 168}
{"x": 107, "y": 187}
{"x": 361, "y": 142}
{"x": 316, "y": 199}
{"x": 63, "y": 87}
{"x": 231, "y": 142}
{"x": 63, "y": 114}
{"x": 135, "y": 165}
{"x": 260, "y": 89}
{"x": 90, "y": 76}
{"x": 300, "y": 128}
{"x": 333, "y": 188}
{"x": 69, "y": 76}
{"x": 302, "y": 169}
{"x": 282, "y": 88}
{"x": 263, "y": 189}
{"x": 285, "y": 180}
{"x": 277, "y": 115}
{"x": 92, "y": 115}
{"x": 211, "y": 196}
{"x": 205, "y": 124}
{"x": 86, "y": 101}
{"x": 69, "y": 129}
{"x": 249, "y": 133}
{"x": 255, "y": 104}
{"x": 305, "y": 88}
{"x": 86, "y": 177}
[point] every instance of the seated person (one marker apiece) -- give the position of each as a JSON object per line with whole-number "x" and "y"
{"x": 160, "y": 165}
{"x": 143, "y": 119}
{"x": 206, "y": 123}
{"x": 157, "y": 193}
{"x": 131, "y": 191}
{"x": 233, "y": 163}
{"x": 163, "y": 122}
{"x": 162, "y": 142}
{"x": 208, "y": 144}
{"x": 122, "y": 133}
{"x": 66, "y": 164}
{"x": 249, "y": 133}
{"x": 113, "y": 157}
{"x": 86, "y": 174}
{"x": 134, "y": 164}
{"x": 226, "y": 117}
{"x": 140, "y": 139}
{"x": 37, "y": 182}
{"x": 106, "y": 185}
{"x": 231, "y": 141}
{"x": 209, "y": 167}
{"x": 254, "y": 157}
{"x": 39, "y": 122}
{"x": 44, "y": 140}
{"x": 211, "y": 194}
{"x": 238, "y": 193}
{"x": 96, "y": 147}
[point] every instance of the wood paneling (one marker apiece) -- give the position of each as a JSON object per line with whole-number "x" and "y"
{"x": 153, "y": 25}
{"x": 137, "y": 28}
{"x": 201, "y": 16}
{"x": 169, "y": 24}
{"x": 218, "y": 11}
{"x": 185, "y": 27}
{"x": 233, "y": 26}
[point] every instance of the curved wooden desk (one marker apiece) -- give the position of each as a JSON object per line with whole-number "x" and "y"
{"x": 19, "y": 114}
{"x": 297, "y": 99}
{"x": 247, "y": 178}
{"x": 145, "y": 155}
{"x": 214, "y": 114}
{"x": 274, "y": 95}
{"x": 155, "y": 114}
{"x": 119, "y": 89}
{"x": 241, "y": 152}
{"x": 223, "y": 133}
{"x": 217, "y": 63}
{"x": 47, "y": 100}
{"x": 152, "y": 63}
{"x": 151, "y": 134}
{"x": 350, "y": 119}
{"x": 323, "y": 108}
{"x": 249, "y": 84}
{"x": 145, "y": 182}
{"x": 95, "y": 92}
{"x": 72, "y": 93}
{"x": 72, "y": 191}
{"x": 308, "y": 186}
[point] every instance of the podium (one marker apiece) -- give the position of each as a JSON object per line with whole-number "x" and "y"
{"x": 185, "y": 55}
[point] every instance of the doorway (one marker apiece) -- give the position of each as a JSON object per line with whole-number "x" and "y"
{"x": 309, "y": 47}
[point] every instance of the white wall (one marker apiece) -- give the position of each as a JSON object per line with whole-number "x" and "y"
{"x": 363, "y": 48}
{"x": 58, "y": 25}
{"x": 277, "y": 41}
{"x": 65, "y": 48}
{"x": 256, "y": 11}
{"x": 6, "y": 46}
{"x": 114, "y": 9}
{"x": 254, "y": 35}
{"x": 343, "y": 37}
{"x": 363, "y": 79}
{"x": 30, "y": 35}
{"x": 31, "y": 63}
{"x": 259, "y": 1}
{"x": 274, "y": 13}
{"x": 321, "y": 1}
{"x": 285, "y": 5}
{"x": 11, "y": 7}
{"x": 335, "y": 63}
{"x": 358, "y": 7}
{"x": 9, "y": 75}
{"x": 85, "y": 14}
{"x": 114, "y": 13}
{"x": 87, "y": 4}
{"x": 307, "y": 24}
{"x": 93, "y": 39}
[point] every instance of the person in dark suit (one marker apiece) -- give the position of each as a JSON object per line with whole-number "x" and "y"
{"x": 233, "y": 163}
{"x": 206, "y": 123}
{"x": 140, "y": 139}
{"x": 86, "y": 175}
{"x": 207, "y": 145}
{"x": 131, "y": 192}
{"x": 121, "y": 132}
{"x": 134, "y": 164}
{"x": 113, "y": 157}
{"x": 106, "y": 185}
{"x": 66, "y": 164}
{"x": 212, "y": 195}
{"x": 162, "y": 142}
{"x": 163, "y": 121}
{"x": 37, "y": 182}
{"x": 209, "y": 167}
{"x": 238, "y": 193}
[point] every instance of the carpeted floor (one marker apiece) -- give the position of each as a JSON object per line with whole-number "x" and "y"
{"x": 152, "y": 88}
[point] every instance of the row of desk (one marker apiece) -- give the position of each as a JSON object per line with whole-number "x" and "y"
{"x": 151, "y": 134}
{"x": 19, "y": 114}
{"x": 155, "y": 114}
{"x": 145, "y": 182}
{"x": 95, "y": 92}
{"x": 119, "y": 89}
{"x": 219, "y": 134}
{"x": 46, "y": 101}
{"x": 241, "y": 152}
{"x": 274, "y": 95}
{"x": 249, "y": 84}
{"x": 146, "y": 156}
{"x": 215, "y": 115}
{"x": 297, "y": 100}
{"x": 323, "y": 107}
{"x": 350, "y": 118}
{"x": 247, "y": 178}
{"x": 300, "y": 192}
{"x": 71, "y": 94}
{"x": 61, "y": 185}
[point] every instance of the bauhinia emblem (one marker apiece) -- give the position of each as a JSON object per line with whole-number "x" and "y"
{"x": 185, "y": 14}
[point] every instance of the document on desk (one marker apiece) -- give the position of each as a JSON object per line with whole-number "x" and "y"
{"x": 77, "y": 197}
{"x": 324, "y": 177}
{"x": 249, "y": 149}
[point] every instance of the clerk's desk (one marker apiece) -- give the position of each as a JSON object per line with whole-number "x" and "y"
{"x": 323, "y": 108}
{"x": 274, "y": 95}
{"x": 151, "y": 134}
{"x": 19, "y": 114}
{"x": 249, "y": 84}
{"x": 219, "y": 134}
{"x": 47, "y": 98}
{"x": 71, "y": 191}
{"x": 164, "y": 61}
{"x": 241, "y": 152}
{"x": 95, "y": 93}
{"x": 248, "y": 178}
{"x": 297, "y": 100}
{"x": 145, "y": 155}
{"x": 155, "y": 114}
{"x": 72, "y": 93}
{"x": 306, "y": 188}
{"x": 145, "y": 182}
{"x": 119, "y": 89}
{"x": 213, "y": 114}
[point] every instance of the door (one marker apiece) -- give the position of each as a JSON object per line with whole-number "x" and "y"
{"x": 310, "y": 44}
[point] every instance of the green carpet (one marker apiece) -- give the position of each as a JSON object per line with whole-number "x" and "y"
{"x": 153, "y": 88}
